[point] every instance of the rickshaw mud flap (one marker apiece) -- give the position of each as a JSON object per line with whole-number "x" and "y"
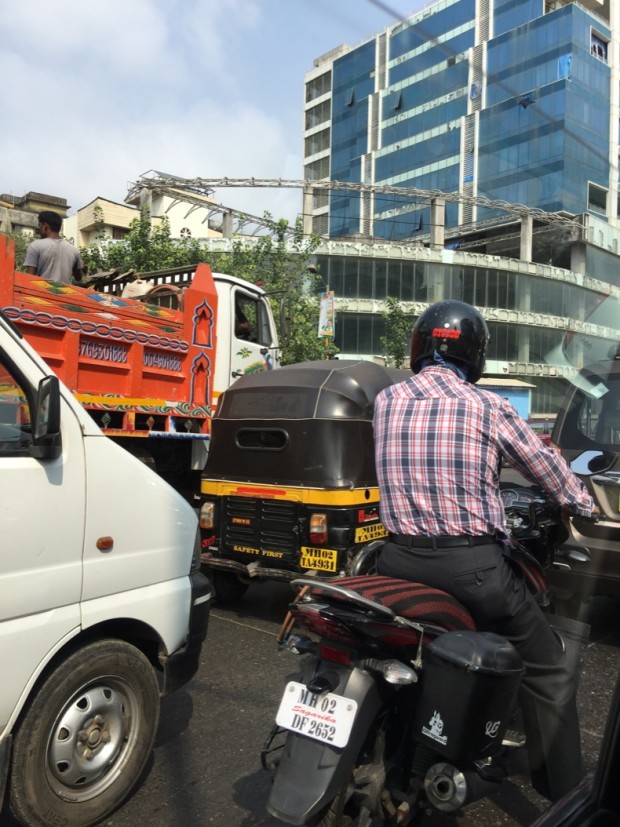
{"x": 310, "y": 773}
{"x": 251, "y": 571}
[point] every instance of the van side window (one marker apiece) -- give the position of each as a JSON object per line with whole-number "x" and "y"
{"x": 15, "y": 422}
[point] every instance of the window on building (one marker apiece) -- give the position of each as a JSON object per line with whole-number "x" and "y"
{"x": 317, "y": 169}
{"x": 597, "y": 198}
{"x": 118, "y": 233}
{"x": 395, "y": 101}
{"x": 316, "y": 143}
{"x": 318, "y": 86}
{"x": 598, "y": 46}
{"x": 318, "y": 114}
{"x": 320, "y": 224}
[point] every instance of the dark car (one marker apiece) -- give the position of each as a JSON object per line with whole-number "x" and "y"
{"x": 587, "y": 432}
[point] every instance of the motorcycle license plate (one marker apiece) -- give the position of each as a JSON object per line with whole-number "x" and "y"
{"x": 327, "y": 718}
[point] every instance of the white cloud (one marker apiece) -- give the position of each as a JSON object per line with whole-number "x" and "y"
{"x": 96, "y": 93}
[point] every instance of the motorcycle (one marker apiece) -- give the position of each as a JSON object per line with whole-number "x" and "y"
{"x": 401, "y": 705}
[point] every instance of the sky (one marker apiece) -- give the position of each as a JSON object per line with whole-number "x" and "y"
{"x": 95, "y": 94}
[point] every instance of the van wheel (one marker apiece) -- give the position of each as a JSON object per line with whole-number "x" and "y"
{"x": 227, "y": 587}
{"x": 85, "y": 738}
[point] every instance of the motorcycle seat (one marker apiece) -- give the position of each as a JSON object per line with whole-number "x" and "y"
{"x": 415, "y": 601}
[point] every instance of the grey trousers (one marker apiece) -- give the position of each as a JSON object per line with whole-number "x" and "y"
{"x": 497, "y": 598}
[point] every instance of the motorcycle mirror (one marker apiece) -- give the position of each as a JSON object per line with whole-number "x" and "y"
{"x": 592, "y": 462}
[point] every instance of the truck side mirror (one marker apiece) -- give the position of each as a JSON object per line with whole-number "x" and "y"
{"x": 46, "y": 440}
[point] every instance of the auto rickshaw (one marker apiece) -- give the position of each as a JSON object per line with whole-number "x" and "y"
{"x": 290, "y": 485}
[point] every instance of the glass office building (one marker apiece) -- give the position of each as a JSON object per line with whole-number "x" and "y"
{"x": 513, "y": 101}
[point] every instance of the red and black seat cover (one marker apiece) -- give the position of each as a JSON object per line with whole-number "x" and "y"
{"x": 414, "y": 601}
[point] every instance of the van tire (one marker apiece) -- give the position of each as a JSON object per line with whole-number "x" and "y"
{"x": 85, "y": 738}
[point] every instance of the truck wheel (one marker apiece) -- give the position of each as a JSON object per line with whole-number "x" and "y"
{"x": 85, "y": 737}
{"x": 227, "y": 587}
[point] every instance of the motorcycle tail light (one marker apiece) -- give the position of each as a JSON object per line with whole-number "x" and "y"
{"x": 334, "y": 654}
{"x": 309, "y": 615}
{"x": 318, "y": 529}
{"x": 207, "y": 515}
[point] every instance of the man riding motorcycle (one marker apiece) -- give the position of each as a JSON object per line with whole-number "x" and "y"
{"x": 439, "y": 443}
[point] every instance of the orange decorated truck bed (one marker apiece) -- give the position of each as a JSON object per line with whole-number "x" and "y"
{"x": 144, "y": 371}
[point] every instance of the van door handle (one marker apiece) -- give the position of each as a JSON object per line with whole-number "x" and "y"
{"x": 237, "y": 373}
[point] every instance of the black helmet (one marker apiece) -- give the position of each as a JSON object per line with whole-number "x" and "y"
{"x": 455, "y": 330}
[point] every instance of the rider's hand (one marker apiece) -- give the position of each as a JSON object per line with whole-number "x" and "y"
{"x": 593, "y": 516}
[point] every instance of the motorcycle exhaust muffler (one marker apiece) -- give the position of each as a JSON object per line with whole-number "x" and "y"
{"x": 448, "y": 788}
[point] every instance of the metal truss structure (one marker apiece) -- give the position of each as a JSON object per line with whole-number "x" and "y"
{"x": 197, "y": 192}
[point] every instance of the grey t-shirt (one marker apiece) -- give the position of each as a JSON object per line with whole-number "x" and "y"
{"x": 54, "y": 258}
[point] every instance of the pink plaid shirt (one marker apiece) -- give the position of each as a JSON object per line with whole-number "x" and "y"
{"x": 438, "y": 444}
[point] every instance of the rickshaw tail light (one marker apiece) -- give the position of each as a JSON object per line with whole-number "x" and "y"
{"x": 207, "y": 515}
{"x": 318, "y": 528}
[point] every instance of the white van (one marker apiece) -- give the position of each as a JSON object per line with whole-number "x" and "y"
{"x": 103, "y": 608}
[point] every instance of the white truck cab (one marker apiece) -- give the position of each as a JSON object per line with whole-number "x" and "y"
{"x": 103, "y": 608}
{"x": 247, "y": 341}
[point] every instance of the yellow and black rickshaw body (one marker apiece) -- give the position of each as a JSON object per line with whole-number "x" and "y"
{"x": 290, "y": 483}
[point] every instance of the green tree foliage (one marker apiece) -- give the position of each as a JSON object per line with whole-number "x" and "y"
{"x": 22, "y": 240}
{"x": 281, "y": 266}
{"x": 144, "y": 248}
{"x": 275, "y": 261}
{"x": 395, "y": 341}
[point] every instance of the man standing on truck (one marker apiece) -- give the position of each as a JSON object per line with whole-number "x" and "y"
{"x": 50, "y": 256}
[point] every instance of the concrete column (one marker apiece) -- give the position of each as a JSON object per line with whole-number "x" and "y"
{"x": 306, "y": 211}
{"x": 5, "y": 220}
{"x": 227, "y": 224}
{"x": 578, "y": 258}
{"x": 438, "y": 223}
{"x": 527, "y": 225}
{"x": 146, "y": 199}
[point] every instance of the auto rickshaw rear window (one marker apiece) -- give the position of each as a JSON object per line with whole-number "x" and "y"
{"x": 261, "y": 439}
{"x": 280, "y": 404}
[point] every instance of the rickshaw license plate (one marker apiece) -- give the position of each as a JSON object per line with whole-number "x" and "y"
{"x": 321, "y": 559}
{"x": 366, "y": 533}
{"x": 327, "y": 718}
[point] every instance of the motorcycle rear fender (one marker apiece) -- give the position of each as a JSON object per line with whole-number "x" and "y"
{"x": 311, "y": 773}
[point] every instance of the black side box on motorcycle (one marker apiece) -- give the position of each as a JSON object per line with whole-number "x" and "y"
{"x": 469, "y": 689}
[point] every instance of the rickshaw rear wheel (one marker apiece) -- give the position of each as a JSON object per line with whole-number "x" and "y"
{"x": 227, "y": 586}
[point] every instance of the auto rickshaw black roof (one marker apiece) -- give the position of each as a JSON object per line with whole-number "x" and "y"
{"x": 308, "y": 424}
{"x": 331, "y": 389}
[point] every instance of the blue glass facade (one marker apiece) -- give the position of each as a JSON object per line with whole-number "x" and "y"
{"x": 353, "y": 82}
{"x": 508, "y": 14}
{"x": 543, "y": 123}
{"x": 513, "y": 106}
{"x": 544, "y": 133}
